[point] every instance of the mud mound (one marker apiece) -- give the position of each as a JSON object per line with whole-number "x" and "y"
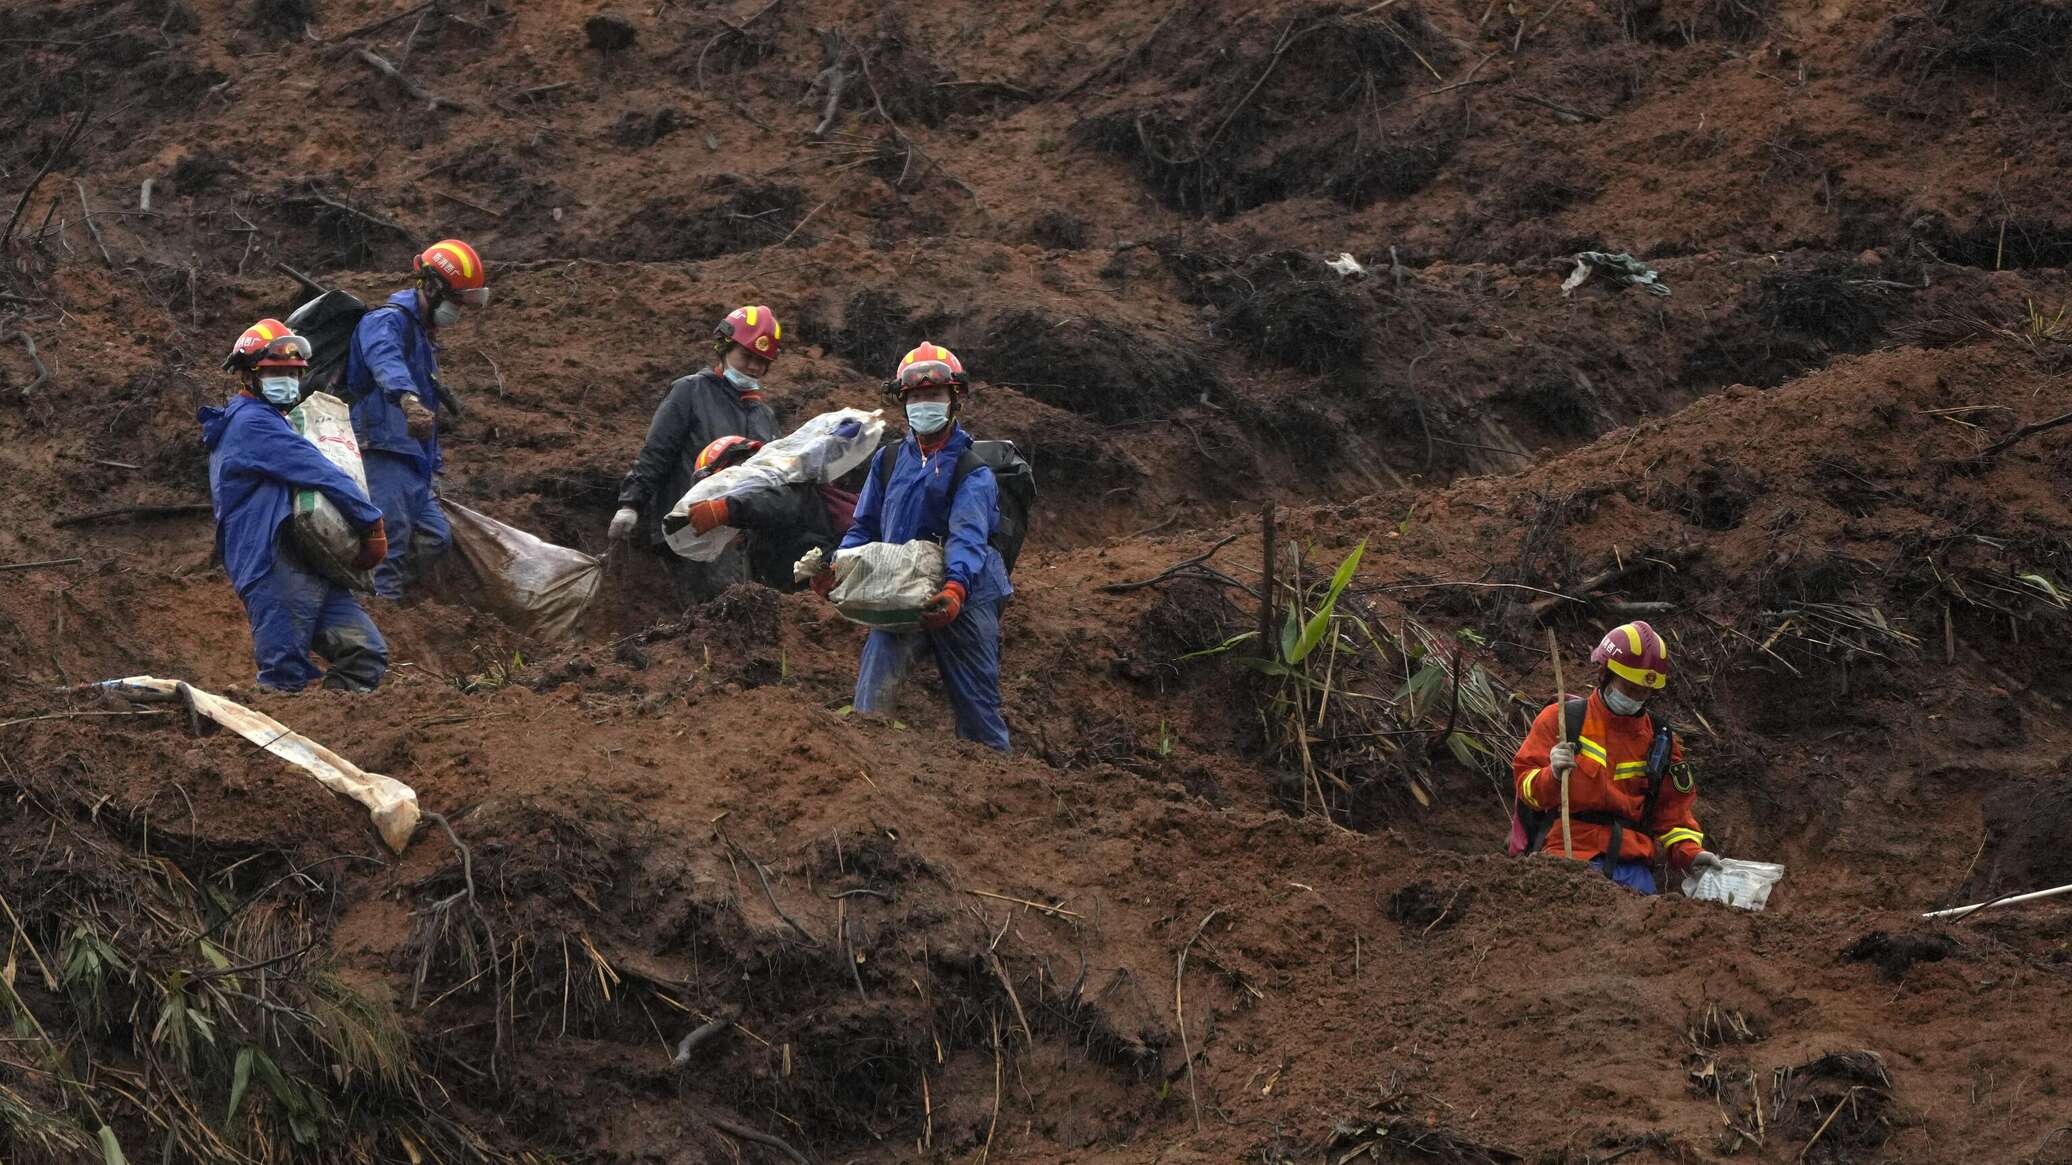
{"x": 1895, "y": 955}
{"x": 743, "y": 218}
{"x": 1091, "y": 366}
{"x": 1258, "y": 129}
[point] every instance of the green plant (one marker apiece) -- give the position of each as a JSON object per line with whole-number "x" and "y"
{"x": 1326, "y": 714}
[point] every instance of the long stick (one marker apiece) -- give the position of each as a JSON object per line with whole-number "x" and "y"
{"x": 64, "y": 145}
{"x": 1568, "y": 841}
{"x": 1966, "y": 911}
{"x": 1180, "y": 1011}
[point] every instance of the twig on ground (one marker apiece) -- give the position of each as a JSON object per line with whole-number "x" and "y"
{"x": 377, "y": 26}
{"x": 1561, "y": 110}
{"x": 79, "y": 715}
{"x": 29, "y": 345}
{"x": 457, "y": 200}
{"x": 1056, "y": 911}
{"x": 64, "y": 146}
{"x": 432, "y": 100}
{"x": 1180, "y": 1012}
{"x": 767, "y": 891}
{"x": 318, "y": 196}
{"x": 838, "y": 81}
{"x": 701, "y": 1035}
{"x": 539, "y": 91}
{"x": 1125, "y": 56}
{"x": 1198, "y": 560}
{"x": 40, "y": 565}
{"x": 176, "y": 510}
{"x": 2026, "y": 431}
{"x": 92, "y": 229}
{"x": 768, "y": 1140}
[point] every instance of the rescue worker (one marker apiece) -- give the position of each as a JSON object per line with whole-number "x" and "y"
{"x": 784, "y": 523}
{"x": 912, "y": 498}
{"x": 392, "y": 373}
{"x": 256, "y": 463}
{"x": 725, "y": 400}
{"x": 1619, "y": 810}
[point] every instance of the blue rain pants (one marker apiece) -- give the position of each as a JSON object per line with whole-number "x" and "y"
{"x": 417, "y": 531}
{"x": 967, "y": 654}
{"x": 1634, "y": 875}
{"x": 295, "y": 610}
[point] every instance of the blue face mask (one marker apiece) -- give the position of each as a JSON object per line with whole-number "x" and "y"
{"x": 1622, "y": 704}
{"x": 741, "y": 380}
{"x": 928, "y": 416}
{"x": 282, "y": 392}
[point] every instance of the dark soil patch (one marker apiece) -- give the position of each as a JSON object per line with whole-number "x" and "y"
{"x": 1832, "y": 300}
{"x": 1895, "y": 954}
{"x": 1715, "y": 497}
{"x": 878, "y": 327}
{"x": 1290, "y": 309}
{"x": 2016, "y": 40}
{"x": 742, "y": 219}
{"x": 1839, "y": 1106}
{"x": 1270, "y": 103}
{"x": 1060, "y": 230}
{"x": 1089, "y": 366}
{"x": 1678, "y": 23}
{"x": 1423, "y": 907}
{"x": 1554, "y": 406}
{"x": 2026, "y": 826}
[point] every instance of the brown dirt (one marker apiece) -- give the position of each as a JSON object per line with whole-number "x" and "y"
{"x": 1118, "y": 216}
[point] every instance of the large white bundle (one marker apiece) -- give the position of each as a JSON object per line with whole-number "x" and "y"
{"x": 881, "y": 584}
{"x": 327, "y": 541}
{"x": 818, "y": 452}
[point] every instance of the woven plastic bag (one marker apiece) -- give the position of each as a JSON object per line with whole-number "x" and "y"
{"x": 328, "y": 542}
{"x": 880, "y": 584}
{"x": 819, "y": 451}
{"x": 535, "y": 586}
{"x": 1737, "y": 883}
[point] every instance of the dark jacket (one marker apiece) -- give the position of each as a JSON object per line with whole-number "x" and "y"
{"x": 699, "y": 410}
{"x": 783, "y": 524}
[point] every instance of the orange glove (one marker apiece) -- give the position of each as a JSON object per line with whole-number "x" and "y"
{"x": 373, "y": 546}
{"x": 943, "y": 609}
{"x": 708, "y": 516}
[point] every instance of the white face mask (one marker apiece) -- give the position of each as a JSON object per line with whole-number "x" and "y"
{"x": 928, "y": 416}
{"x": 742, "y": 380}
{"x": 1622, "y": 704}
{"x": 446, "y": 314}
{"x": 282, "y": 392}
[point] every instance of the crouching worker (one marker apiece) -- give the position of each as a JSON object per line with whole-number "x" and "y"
{"x": 1630, "y": 788}
{"x": 784, "y": 523}
{"x": 923, "y": 489}
{"x": 256, "y": 463}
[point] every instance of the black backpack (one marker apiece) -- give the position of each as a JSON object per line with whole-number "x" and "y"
{"x": 328, "y": 323}
{"x": 1017, "y": 482}
{"x": 1539, "y": 822}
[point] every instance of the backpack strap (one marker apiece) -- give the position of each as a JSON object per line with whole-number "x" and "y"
{"x": 1572, "y": 714}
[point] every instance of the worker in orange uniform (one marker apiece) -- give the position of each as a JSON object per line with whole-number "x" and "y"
{"x": 1630, "y": 788}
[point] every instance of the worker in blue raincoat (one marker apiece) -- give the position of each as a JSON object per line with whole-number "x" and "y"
{"x": 256, "y": 463}
{"x": 918, "y": 495}
{"x": 392, "y": 374}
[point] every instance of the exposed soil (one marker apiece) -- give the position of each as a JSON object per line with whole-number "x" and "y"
{"x": 1169, "y": 927}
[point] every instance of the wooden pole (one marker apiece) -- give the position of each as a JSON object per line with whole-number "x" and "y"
{"x": 1568, "y": 841}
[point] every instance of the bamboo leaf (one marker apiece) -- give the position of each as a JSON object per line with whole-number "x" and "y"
{"x": 240, "y": 1079}
{"x": 1222, "y": 647}
{"x": 111, "y": 1149}
{"x": 1319, "y": 623}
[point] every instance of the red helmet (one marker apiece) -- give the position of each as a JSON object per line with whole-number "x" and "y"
{"x": 456, "y": 267}
{"x": 725, "y": 453}
{"x": 1634, "y": 652}
{"x": 929, "y": 364}
{"x": 754, "y": 328}
{"x": 268, "y": 344}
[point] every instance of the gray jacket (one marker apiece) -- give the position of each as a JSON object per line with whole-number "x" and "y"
{"x": 699, "y": 410}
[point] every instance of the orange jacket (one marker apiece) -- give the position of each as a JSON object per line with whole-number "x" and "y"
{"x": 1610, "y": 777}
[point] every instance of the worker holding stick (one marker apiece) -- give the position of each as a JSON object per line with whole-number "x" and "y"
{"x": 1601, "y": 780}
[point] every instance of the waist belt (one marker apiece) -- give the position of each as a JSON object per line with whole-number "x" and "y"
{"x": 1615, "y": 848}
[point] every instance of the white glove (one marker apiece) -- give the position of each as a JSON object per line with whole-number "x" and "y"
{"x": 1706, "y": 860}
{"x": 623, "y": 523}
{"x": 1562, "y": 757}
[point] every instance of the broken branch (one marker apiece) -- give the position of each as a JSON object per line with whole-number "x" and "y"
{"x": 12, "y": 566}
{"x": 64, "y": 146}
{"x": 432, "y": 100}
{"x": 768, "y": 1140}
{"x": 1168, "y": 572}
{"x": 92, "y": 229}
{"x": 29, "y": 344}
{"x": 2023, "y": 433}
{"x": 1180, "y": 1011}
{"x": 702, "y": 1035}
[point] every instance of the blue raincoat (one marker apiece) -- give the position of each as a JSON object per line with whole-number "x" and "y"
{"x": 392, "y": 353}
{"x": 916, "y": 502}
{"x": 256, "y": 463}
